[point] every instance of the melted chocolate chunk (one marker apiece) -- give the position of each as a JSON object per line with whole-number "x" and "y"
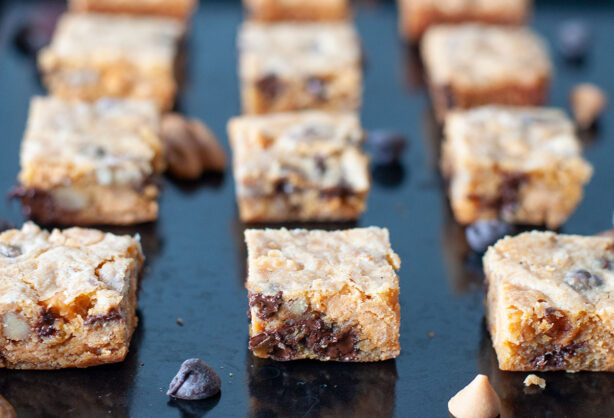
{"x": 267, "y": 306}
{"x": 342, "y": 191}
{"x": 9, "y": 251}
{"x": 510, "y": 188}
{"x": 316, "y": 87}
{"x": 283, "y": 186}
{"x": 556, "y": 358}
{"x": 195, "y": 380}
{"x": 270, "y": 86}
{"x": 112, "y": 315}
{"x": 37, "y": 204}
{"x": 582, "y": 280}
{"x": 560, "y": 325}
{"x": 320, "y": 164}
{"x": 45, "y": 325}
{"x": 309, "y": 331}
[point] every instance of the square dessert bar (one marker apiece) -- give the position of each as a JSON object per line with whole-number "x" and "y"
{"x": 67, "y": 298}
{"x": 303, "y": 166}
{"x": 471, "y": 65}
{"x": 179, "y": 9}
{"x": 94, "y": 55}
{"x": 293, "y": 66}
{"x": 90, "y": 163}
{"x": 416, "y": 16}
{"x": 522, "y": 165}
{"x": 297, "y": 10}
{"x": 323, "y": 295}
{"x": 549, "y": 303}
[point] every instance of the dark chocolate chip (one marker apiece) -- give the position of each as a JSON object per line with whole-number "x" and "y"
{"x": 482, "y": 234}
{"x": 194, "y": 380}
{"x": 267, "y": 306}
{"x": 385, "y": 147}
{"x": 95, "y": 151}
{"x": 36, "y": 30}
{"x": 509, "y": 190}
{"x": 45, "y": 325}
{"x": 270, "y": 86}
{"x": 316, "y": 87}
{"x": 10, "y": 251}
{"x": 582, "y": 280}
{"x": 112, "y": 315}
{"x": 320, "y": 164}
{"x": 283, "y": 186}
{"x": 573, "y": 40}
{"x": 556, "y": 358}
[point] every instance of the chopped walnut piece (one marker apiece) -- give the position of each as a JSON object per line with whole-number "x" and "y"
{"x": 534, "y": 380}
{"x": 476, "y": 400}
{"x": 587, "y": 103}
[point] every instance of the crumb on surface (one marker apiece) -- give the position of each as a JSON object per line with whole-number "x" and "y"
{"x": 179, "y": 322}
{"x": 534, "y": 380}
{"x": 431, "y": 334}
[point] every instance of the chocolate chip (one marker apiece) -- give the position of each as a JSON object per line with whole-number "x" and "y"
{"x": 385, "y": 147}
{"x": 509, "y": 190}
{"x": 316, "y": 87}
{"x": 45, "y": 325}
{"x": 320, "y": 164}
{"x": 283, "y": 186}
{"x": 556, "y": 358}
{"x": 267, "y": 306}
{"x": 112, "y": 315}
{"x": 94, "y": 151}
{"x": 582, "y": 280}
{"x": 573, "y": 40}
{"x": 194, "y": 380}
{"x": 36, "y": 30}
{"x": 482, "y": 234}
{"x": 10, "y": 251}
{"x": 604, "y": 263}
{"x": 270, "y": 86}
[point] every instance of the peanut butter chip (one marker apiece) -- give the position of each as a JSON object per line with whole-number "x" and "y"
{"x": 587, "y": 103}
{"x": 476, "y": 400}
{"x": 190, "y": 146}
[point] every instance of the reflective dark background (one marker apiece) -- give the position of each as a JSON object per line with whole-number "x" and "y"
{"x": 196, "y": 268}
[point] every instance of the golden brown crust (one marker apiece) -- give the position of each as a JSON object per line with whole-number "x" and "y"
{"x": 180, "y": 9}
{"x": 307, "y": 10}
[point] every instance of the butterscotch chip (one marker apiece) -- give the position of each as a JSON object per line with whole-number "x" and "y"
{"x": 534, "y": 380}
{"x": 587, "y": 103}
{"x": 6, "y": 409}
{"x": 476, "y": 400}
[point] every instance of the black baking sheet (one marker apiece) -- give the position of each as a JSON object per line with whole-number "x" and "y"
{"x": 196, "y": 257}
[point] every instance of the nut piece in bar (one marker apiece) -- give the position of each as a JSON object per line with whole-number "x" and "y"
{"x": 330, "y": 296}
{"x": 90, "y": 163}
{"x": 302, "y": 10}
{"x": 549, "y": 303}
{"x": 294, "y": 66}
{"x": 303, "y": 166}
{"x": 476, "y": 400}
{"x": 92, "y": 56}
{"x": 67, "y": 298}
{"x": 470, "y": 65}
{"x": 179, "y": 9}
{"x": 521, "y": 165}
{"x": 416, "y": 16}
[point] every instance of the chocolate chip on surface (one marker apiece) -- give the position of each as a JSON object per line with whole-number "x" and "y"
{"x": 587, "y": 103}
{"x": 10, "y": 251}
{"x": 195, "y": 380}
{"x": 582, "y": 280}
{"x": 385, "y": 147}
{"x": 482, "y": 234}
{"x": 573, "y": 39}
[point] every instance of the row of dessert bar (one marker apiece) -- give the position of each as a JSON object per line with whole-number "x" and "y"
{"x": 92, "y": 149}
{"x": 297, "y": 148}
{"x": 509, "y": 159}
{"x": 298, "y": 157}
{"x": 90, "y": 155}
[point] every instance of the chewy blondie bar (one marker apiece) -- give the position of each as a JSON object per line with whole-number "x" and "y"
{"x": 92, "y": 56}
{"x": 297, "y": 10}
{"x": 179, "y": 9}
{"x": 293, "y": 66}
{"x": 323, "y": 295}
{"x": 90, "y": 163}
{"x": 416, "y": 16}
{"x": 523, "y": 165}
{"x": 549, "y": 302}
{"x": 302, "y": 166}
{"x": 470, "y": 65}
{"x": 67, "y": 298}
